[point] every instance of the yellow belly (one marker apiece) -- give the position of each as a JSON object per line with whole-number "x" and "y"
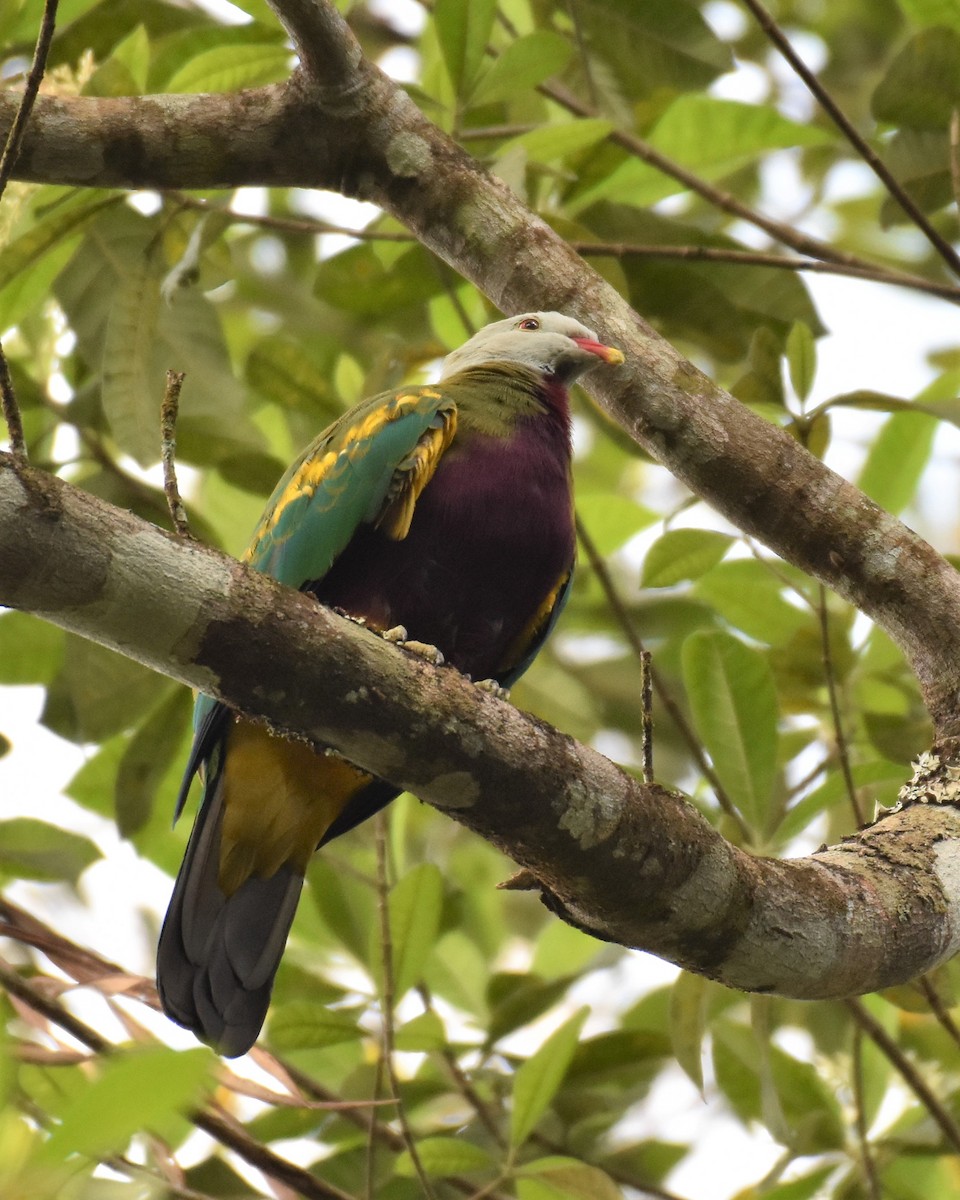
{"x": 280, "y": 798}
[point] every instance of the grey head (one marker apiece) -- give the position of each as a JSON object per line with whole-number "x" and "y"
{"x": 550, "y": 343}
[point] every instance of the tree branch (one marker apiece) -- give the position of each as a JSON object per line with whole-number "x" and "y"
{"x": 630, "y": 863}
{"x": 386, "y": 151}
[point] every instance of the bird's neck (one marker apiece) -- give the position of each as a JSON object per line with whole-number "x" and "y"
{"x": 495, "y": 400}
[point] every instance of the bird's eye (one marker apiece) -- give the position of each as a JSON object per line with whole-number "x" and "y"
{"x": 529, "y": 323}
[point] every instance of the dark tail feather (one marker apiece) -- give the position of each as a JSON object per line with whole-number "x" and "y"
{"x": 218, "y": 954}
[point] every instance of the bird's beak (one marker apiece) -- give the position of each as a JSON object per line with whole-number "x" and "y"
{"x": 608, "y": 354}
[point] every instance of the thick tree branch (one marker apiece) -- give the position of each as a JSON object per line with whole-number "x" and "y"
{"x": 631, "y": 863}
{"x": 374, "y": 143}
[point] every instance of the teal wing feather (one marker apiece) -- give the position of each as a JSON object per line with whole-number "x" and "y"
{"x": 368, "y": 466}
{"x": 379, "y": 454}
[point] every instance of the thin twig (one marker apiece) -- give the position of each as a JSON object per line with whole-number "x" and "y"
{"x": 619, "y": 610}
{"x": 843, "y": 752}
{"x": 169, "y": 410}
{"x": 751, "y": 258}
{"x": 757, "y": 258}
{"x": 955, "y": 155}
{"x": 938, "y": 1008}
{"x": 463, "y": 1082}
{"x": 911, "y": 1076}
{"x": 217, "y": 1123}
{"x": 387, "y": 1001}
{"x": 853, "y": 136}
{"x": 866, "y": 1153}
{"x": 30, "y": 89}
{"x": 646, "y": 715}
{"x": 11, "y": 150}
{"x": 11, "y": 410}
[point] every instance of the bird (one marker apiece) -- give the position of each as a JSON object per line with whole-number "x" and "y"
{"x": 441, "y": 514}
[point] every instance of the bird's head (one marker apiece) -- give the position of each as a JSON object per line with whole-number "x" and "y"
{"x": 553, "y": 345}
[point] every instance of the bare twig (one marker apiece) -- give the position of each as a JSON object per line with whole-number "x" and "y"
{"x": 843, "y": 752}
{"x": 955, "y": 155}
{"x": 212, "y": 1120}
{"x": 757, "y": 258}
{"x": 619, "y": 610}
{"x": 168, "y": 451}
{"x": 938, "y": 1008}
{"x": 911, "y": 1076}
{"x": 866, "y": 1153}
{"x": 646, "y": 714}
{"x": 387, "y": 1001}
{"x": 11, "y": 410}
{"x": 313, "y": 226}
{"x": 853, "y": 136}
{"x": 31, "y": 87}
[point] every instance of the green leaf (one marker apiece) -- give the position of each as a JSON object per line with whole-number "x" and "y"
{"x": 754, "y": 597}
{"x": 303, "y": 1024}
{"x": 424, "y": 1033}
{"x": 809, "y": 1105}
{"x": 49, "y": 230}
{"x": 640, "y": 51}
{"x": 922, "y": 84}
{"x": 538, "y": 1079}
{"x": 561, "y": 1178}
{"x": 682, "y": 554}
{"x": 519, "y": 998}
{"x": 31, "y": 849}
{"x": 549, "y": 142}
{"x": 522, "y": 65}
{"x": 360, "y": 282}
{"x": 801, "y": 358}
{"x": 712, "y": 135}
{"x": 933, "y": 12}
{"x": 31, "y": 650}
{"x": 146, "y": 760}
{"x": 688, "y": 1020}
{"x": 127, "y": 391}
{"x": 415, "y": 906}
{"x": 919, "y": 158}
{"x": 718, "y": 305}
{"x": 134, "y": 53}
{"x": 734, "y": 706}
{"x": 285, "y": 372}
{"x": 98, "y": 692}
{"x": 897, "y": 459}
{"x": 346, "y": 907}
{"x": 463, "y": 29}
{"x": 108, "y": 273}
{"x": 230, "y": 68}
{"x": 442, "y": 1156}
{"x": 137, "y": 1091}
{"x": 833, "y": 790}
{"x": 610, "y": 520}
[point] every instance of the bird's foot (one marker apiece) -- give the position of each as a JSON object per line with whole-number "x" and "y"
{"x": 494, "y": 688}
{"x": 398, "y": 635}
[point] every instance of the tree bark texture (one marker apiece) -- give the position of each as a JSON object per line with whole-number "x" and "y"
{"x": 627, "y": 862}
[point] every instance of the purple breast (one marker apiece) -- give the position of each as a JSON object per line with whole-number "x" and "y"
{"x": 491, "y": 537}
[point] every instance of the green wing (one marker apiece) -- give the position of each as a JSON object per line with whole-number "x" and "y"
{"x": 369, "y": 466}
